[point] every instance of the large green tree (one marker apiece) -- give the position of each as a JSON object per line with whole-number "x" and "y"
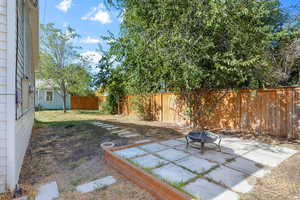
{"x": 62, "y": 67}
{"x": 189, "y": 45}
{"x": 111, "y": 79}
{"x": 286, "y": 54}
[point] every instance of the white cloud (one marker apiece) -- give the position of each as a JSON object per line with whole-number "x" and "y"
{"x": 90, "y": 40}
{"x": 64, "y": 5}
{"x": 98, "y": 14}
{"x": 102, "y": 16}
{"x": 93, "y": 56}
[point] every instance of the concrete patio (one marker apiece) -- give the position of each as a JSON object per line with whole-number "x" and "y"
{"x": 212, "y": 175}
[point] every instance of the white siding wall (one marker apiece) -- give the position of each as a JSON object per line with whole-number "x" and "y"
{"x": 3, "y": 94}
{"x": 24, "y": 116}
{"x": 23, "y": 132}
{"x": 15, "y": 127}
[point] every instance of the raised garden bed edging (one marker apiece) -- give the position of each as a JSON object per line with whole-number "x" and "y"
{"x": 153, "y": 185}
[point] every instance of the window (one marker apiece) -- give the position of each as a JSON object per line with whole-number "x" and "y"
{"x": 49, "y": 96}
{"x": 25, "y": 95}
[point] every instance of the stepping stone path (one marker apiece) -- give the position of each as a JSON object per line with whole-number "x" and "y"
{"x": 121, "y": 133}
{"x": 142, "y": 141}
{"x": 213, "y": 175}
{"x": 113, "y": 128}
{"x": 117, "y": 131}
{"x": 128, "y": 134}
{"x": 48, "y": 192}
{"x": 97, "y": 184}
{"x": 21, "y": 198}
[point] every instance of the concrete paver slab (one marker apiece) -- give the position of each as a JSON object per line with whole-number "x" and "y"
{"x": 149, "y": 161}
{"x": 99, "y": 183}
{"x": 48, "y": 192}
{"x": 173, "y": 174}
{"x": 97, "y": 123}
{"x": 153, "y": 147}
{"x": 187, "y": 149}
{"x": 21, "y": 198}
{"x": 129, "y": 135}
{"x": 113, "y": 128}
{"x": 171, "y": 143}
{"x": 181, "y": 139}
{"x": 122, "y": 134}
{"x": 215, "y": 156}
{"x": 237, "y": 148}
{"x": 118, "y": 131}
{"x": 107, "y": 127}
{"x": 130, "y": 152}
{"x": 205, "y": 190}
{"x": 282, "y": 152}
{"x": 172, "y": 154}
{"x": 265, "y": 157}
{"x": 142, "y": 141}
{"x": 248, "y": 167}
{"x": 195, "y": 164}
{"x": 210, "y": 153}
{"x": 233, "y": 179}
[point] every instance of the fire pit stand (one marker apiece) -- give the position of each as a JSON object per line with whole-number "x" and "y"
{"x": 203, "y": 137}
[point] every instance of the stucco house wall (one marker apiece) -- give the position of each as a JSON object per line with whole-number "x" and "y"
{"x": 55, "y": 104}
{"x": 18, "y": 61}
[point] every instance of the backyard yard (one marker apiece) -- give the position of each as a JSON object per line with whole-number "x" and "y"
{"x": 66, "y": 148}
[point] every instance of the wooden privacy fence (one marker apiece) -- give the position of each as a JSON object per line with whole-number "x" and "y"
{"x": 84, "y": 103}
{"x": 265, "y": 111}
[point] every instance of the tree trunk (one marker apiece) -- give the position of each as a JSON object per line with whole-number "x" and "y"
{"x": 299, "y": 78}
{"x": 64, "y": 95}
{"x": 118, "y": 105}
{"x": 65, "y": 101}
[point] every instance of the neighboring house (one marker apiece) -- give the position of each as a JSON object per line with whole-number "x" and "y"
{"x": 47, "y": 98}
{"x": 19, "y": 24}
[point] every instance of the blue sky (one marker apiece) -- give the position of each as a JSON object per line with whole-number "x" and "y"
{"x": 91, "y": 19}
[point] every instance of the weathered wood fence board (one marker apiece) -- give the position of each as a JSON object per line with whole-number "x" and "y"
{"x": 264, "y": 111}
{"x": 84, "y": 103}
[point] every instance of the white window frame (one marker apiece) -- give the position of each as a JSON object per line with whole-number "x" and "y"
{"x": 46, "y": 95}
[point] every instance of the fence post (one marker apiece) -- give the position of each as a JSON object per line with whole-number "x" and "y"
{"x": 162, "y": 108}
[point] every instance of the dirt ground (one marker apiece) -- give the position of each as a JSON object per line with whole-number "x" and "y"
{"x": 66, "y": 148}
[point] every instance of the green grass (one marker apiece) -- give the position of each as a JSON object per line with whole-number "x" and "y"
{"x": 48, "y": 118}
{"x": 230, "y": 159}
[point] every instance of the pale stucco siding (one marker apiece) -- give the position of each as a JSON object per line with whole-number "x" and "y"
{"x": 3, "y": 94}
